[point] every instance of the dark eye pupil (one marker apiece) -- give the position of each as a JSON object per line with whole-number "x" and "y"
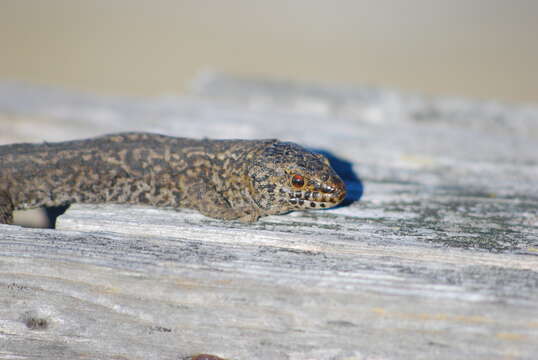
{"x": 297, "y": 180}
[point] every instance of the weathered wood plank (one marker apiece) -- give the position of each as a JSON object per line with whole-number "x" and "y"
{"x": 184, "y": 289}
{"x": 438, "y": 259}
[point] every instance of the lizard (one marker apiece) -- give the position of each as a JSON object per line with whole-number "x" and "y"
{"x": 224, "y": 179}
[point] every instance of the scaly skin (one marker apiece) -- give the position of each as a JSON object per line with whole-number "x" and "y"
{"x": 224, "y": 179}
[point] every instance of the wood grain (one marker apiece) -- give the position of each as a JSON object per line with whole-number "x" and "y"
{"x": 434, "y": 256}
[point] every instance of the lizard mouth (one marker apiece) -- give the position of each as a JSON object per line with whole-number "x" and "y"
{"x": 315, "y": 197}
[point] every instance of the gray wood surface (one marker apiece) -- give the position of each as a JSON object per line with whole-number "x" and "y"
{"x": 434, "y": 255}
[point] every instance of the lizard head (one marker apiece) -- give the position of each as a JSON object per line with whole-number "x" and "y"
{"x": 287, "y": 177}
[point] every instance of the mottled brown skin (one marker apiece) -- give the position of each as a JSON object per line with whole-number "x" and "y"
{"x": 224, "y": 179}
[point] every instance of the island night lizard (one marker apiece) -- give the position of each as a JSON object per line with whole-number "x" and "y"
{"x": 224, "y": 179}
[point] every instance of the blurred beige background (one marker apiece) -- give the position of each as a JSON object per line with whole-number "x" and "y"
{"x": 479, "y": 48}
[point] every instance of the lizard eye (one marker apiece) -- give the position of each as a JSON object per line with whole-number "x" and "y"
{"x": 297, "y": 181}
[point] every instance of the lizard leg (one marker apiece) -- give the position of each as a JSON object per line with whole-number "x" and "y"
{"x": 209, "y": 202}
{"x": 6, "y": 208}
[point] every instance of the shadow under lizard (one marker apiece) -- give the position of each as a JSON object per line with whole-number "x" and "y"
{"x": 224, "y": 179}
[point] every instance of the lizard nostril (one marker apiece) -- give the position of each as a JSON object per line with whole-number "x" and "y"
{"x": 327, "y": 189}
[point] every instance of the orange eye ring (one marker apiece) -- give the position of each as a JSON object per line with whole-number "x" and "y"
{"x": 297, "y": 181}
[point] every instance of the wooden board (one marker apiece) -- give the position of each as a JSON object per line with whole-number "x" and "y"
{"x": 434, "y": 255}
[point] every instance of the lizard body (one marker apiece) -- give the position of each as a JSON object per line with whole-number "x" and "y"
{"x": 225, "y": 179}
